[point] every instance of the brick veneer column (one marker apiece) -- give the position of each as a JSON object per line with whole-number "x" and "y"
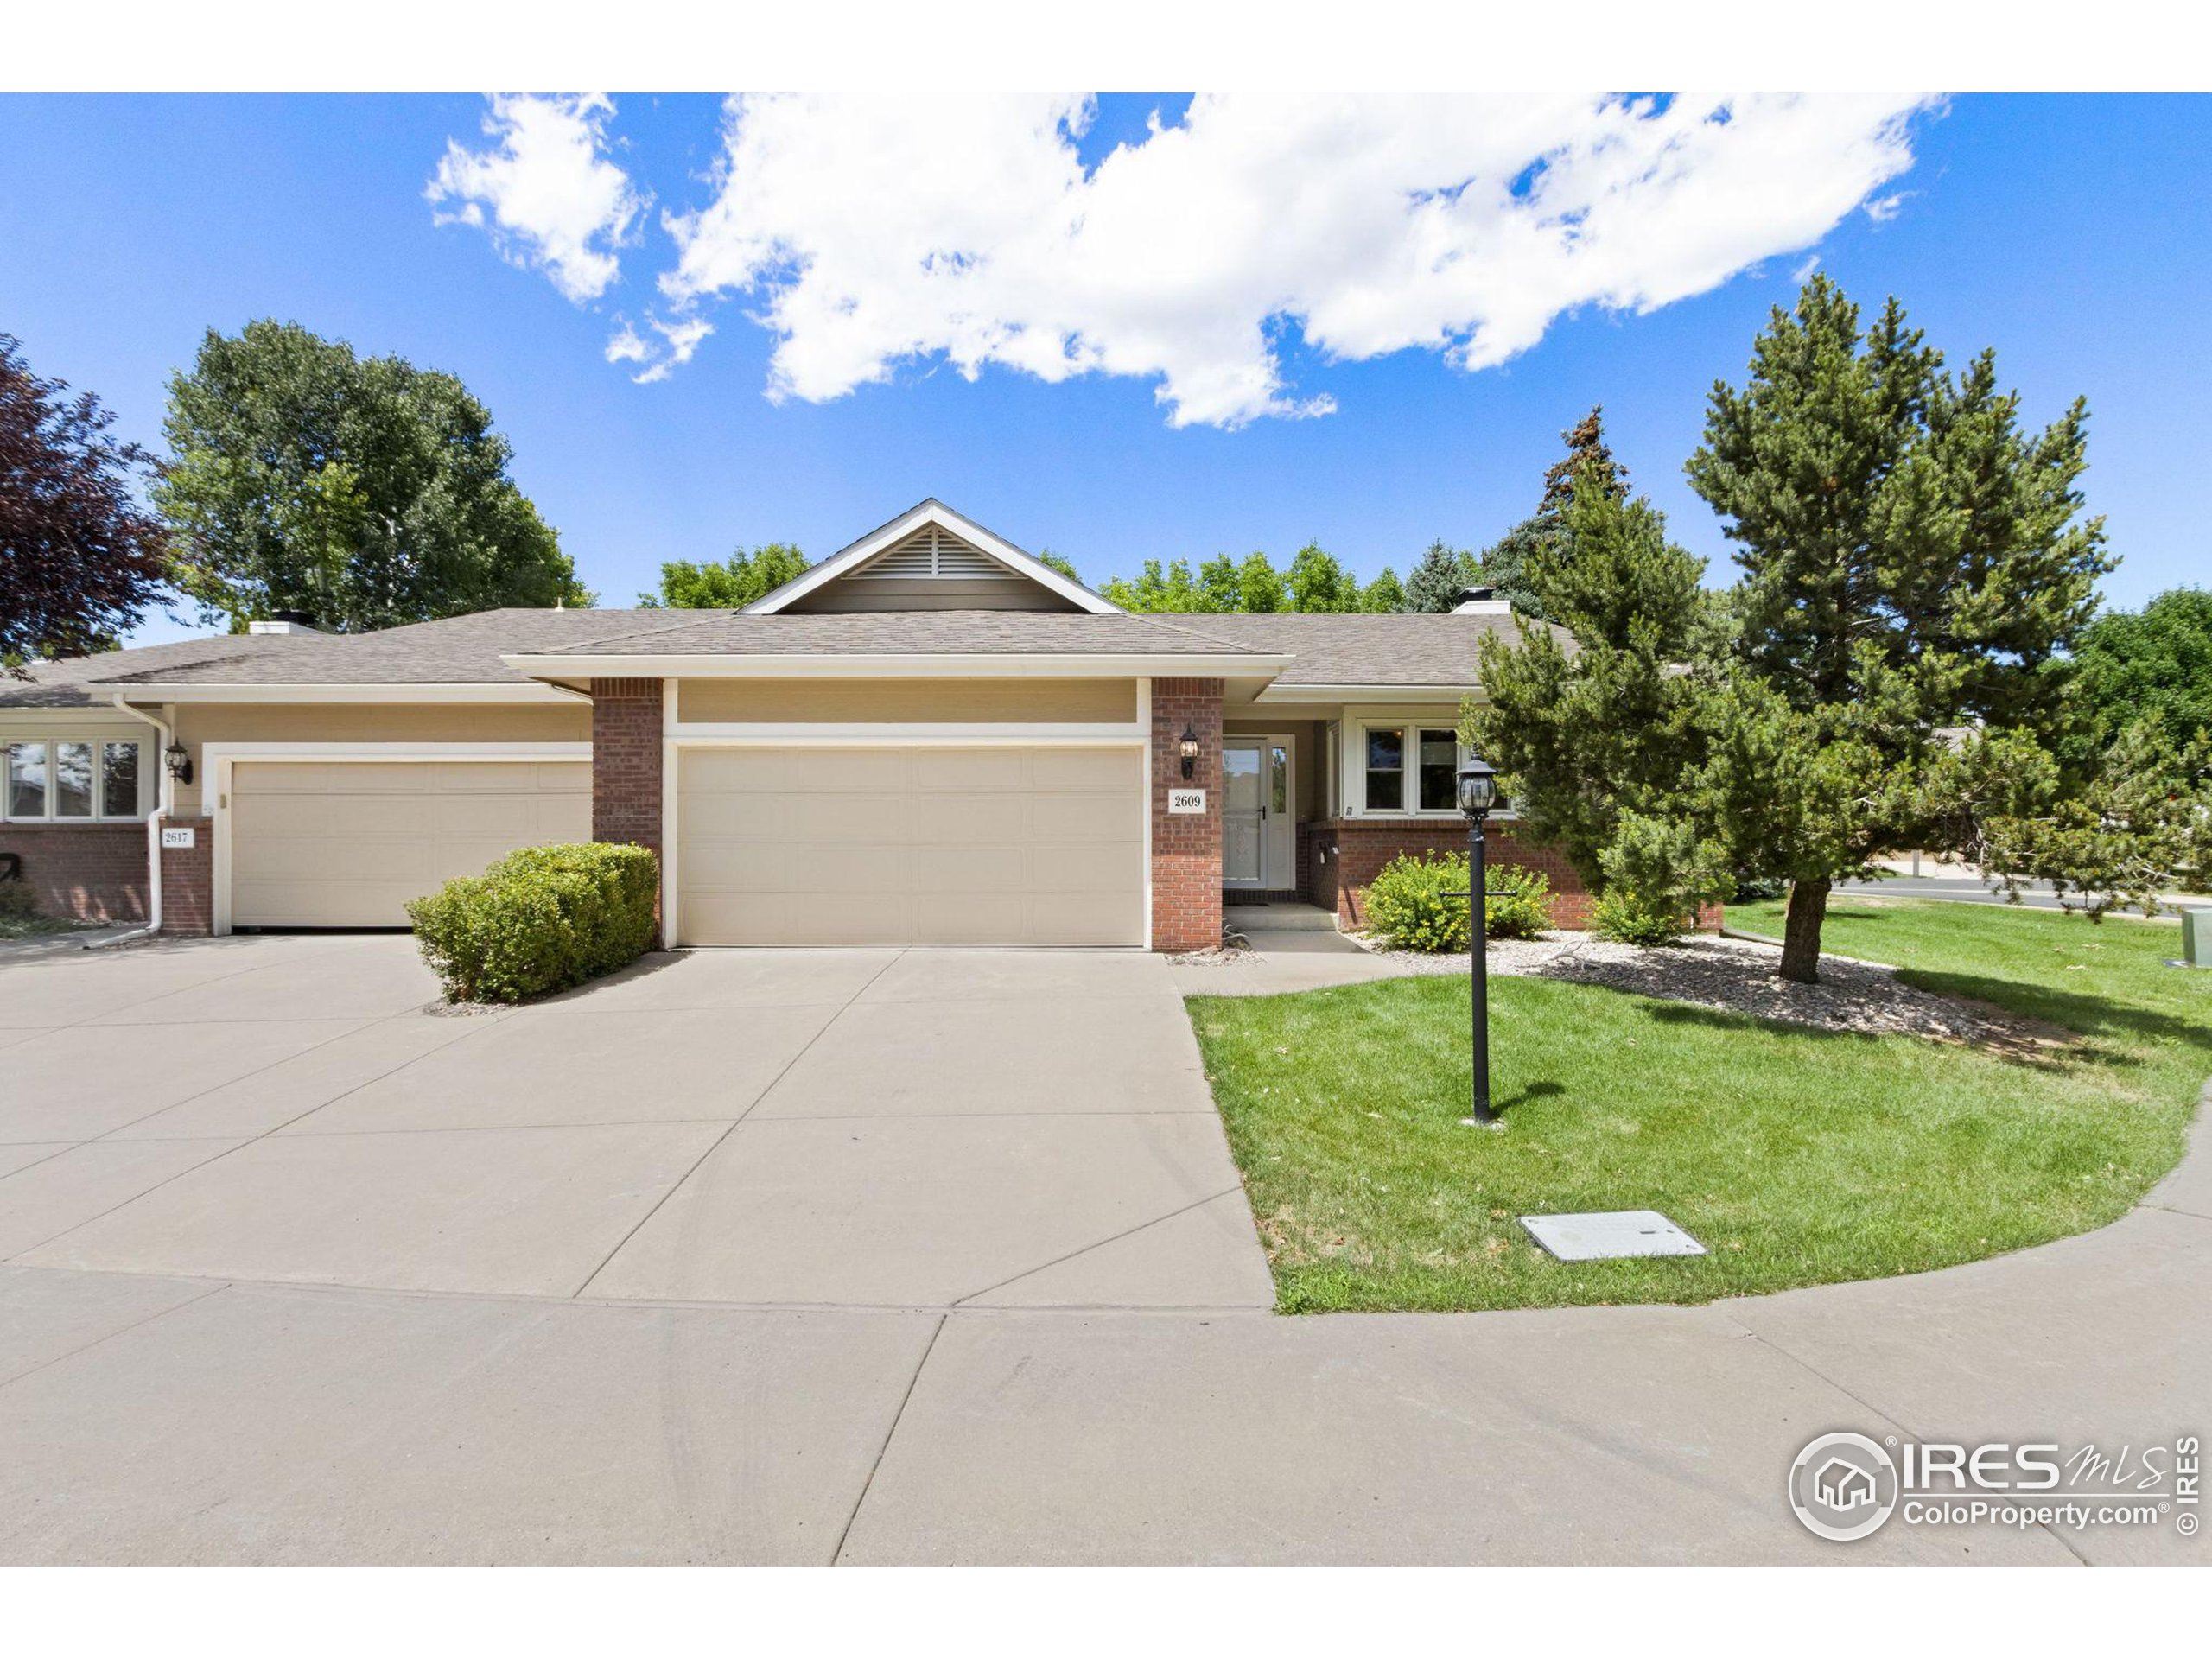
{"x": 1185, "y": 847}
{"x": 625, "y": 750}
{"x": 626, "y": 756}
{"x": 188, "y": 879}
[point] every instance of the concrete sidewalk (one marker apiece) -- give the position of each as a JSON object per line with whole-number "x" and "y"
{"x": 444, "y": 1393}
{"x": 149, "y": 1419}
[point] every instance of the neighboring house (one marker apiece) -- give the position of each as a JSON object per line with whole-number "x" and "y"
{"x": 930, "y": 737}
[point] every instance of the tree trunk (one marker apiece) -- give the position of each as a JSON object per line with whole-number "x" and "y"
{"x": 1800, "y": 931}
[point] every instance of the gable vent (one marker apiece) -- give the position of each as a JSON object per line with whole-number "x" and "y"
{"x": 933, "y": 552}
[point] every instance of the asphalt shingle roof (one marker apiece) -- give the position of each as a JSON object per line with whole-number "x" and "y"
{"x": 1325, "y": 650}
{"x": 950, "y": 633}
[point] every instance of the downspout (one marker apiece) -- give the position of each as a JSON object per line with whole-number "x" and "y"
{"x": 153, "y": 828}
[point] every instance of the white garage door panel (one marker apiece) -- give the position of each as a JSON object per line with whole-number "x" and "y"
{"x": 347, "y": 844}
{"x": 915, "y": 846}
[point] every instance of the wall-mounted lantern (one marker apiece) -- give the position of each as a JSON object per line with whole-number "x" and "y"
{"x": 180, "y": 762}
{"x": 1190, "y": 750}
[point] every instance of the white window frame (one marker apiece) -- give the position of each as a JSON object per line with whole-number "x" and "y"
{"x": 99, "y": 742}
{"x": 1351, "y": 762}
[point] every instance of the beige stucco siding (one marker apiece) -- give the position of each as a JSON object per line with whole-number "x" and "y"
{"x": 1055, "y": 700}
{"x": 197, "y": 724}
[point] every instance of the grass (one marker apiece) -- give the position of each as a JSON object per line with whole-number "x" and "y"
{"x": 30, "y": 925}
{"x": 1798, "y": 1157}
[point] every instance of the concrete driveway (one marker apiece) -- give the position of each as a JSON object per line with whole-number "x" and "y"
{"x": 836, "y": 1127}
{"x": 884, "y": 1258}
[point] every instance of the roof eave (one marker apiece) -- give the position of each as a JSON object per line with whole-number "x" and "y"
{"x": 465, "y": 692}
{"x": 992, "y": 665}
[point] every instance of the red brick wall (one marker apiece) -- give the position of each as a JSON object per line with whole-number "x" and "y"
{"x": 625, "y": 757}
{"x": 1185, "y": 847}
{"x": 1360, "y": 848}
{"x": 86, "y": 872}
{"x": 188, "y": 879}
{"x": 625, "y": 750}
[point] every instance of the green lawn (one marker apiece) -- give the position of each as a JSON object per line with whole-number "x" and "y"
{"x": 1797, "y": 1157}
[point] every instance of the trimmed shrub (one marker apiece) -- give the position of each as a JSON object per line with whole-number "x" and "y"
{"x": 539, "y": 920}
{"x": 1632, "y": 919}
{"x": 1411, "y": 900}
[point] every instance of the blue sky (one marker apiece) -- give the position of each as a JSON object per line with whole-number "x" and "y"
{"x": 2061, "y": 230}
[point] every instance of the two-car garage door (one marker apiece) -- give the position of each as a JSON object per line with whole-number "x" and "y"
{"x": 911, "y": 845}
{"x": 348, "y": 843}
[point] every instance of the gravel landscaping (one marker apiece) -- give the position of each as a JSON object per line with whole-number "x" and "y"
{"x": 1738, "y": 975}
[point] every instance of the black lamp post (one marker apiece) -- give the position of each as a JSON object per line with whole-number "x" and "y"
{"x": 1478, "y": 795}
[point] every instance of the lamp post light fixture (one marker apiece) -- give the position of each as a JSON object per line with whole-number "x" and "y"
{"x": 1190, "y": 749}
{"x": 180, "y": 762}
{"x": 1477, "y": 782}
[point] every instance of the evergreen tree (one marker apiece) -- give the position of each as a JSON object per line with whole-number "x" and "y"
{"x": 1505, "y": 565}
{"x": 729, "y": 586}
{"x": 1587, "y": 454}
{"x": 1911, "y": 562}
{"x": 1598, "y": 734}
{"x": 1439, "y": 577}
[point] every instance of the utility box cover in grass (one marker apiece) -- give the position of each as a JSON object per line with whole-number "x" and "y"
{"x": 2196, "y": 936}
{"x": 1605, "y": 1235}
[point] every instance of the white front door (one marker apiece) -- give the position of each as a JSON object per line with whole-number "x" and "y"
{"x": 1258, "y": 828}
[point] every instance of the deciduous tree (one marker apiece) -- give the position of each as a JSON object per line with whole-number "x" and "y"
{"x": 731, "y": 585}
{"x": 81, "y": 560}
{"x": 365, "y": 491}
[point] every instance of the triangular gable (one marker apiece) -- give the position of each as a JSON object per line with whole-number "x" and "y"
{"x": 932, "y": 550}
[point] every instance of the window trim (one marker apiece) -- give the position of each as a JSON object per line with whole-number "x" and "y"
{"x": 99, "y": 743}
{"x": 1411, "y": 721}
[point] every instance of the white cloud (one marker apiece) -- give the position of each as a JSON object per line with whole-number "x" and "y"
{"x": 1883, "y": 209}
{"x": 556, "y": 202}
{"x": 870, "y": 233}
{"x": 680, "y": 338}
{"x": 626, "y": 345}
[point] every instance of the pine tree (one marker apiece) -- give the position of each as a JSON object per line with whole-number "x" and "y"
{"x": 1505, "y": 565}
{"x": 1911, "y": 562}
{"x": 1586, "y": 453}
{"x": 1439, "y": 577}
{"x": 1597, "y": 734}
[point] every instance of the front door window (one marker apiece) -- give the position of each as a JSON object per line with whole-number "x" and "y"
{"x": 1244, "y": 813}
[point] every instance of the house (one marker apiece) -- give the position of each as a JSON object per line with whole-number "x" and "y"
{"x": 1843, "y": 1486}
{"x": 930, "y": 737}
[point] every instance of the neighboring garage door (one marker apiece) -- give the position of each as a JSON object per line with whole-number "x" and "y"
{"x": 347, "y": 844}
{"x": 910, "y": 846}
